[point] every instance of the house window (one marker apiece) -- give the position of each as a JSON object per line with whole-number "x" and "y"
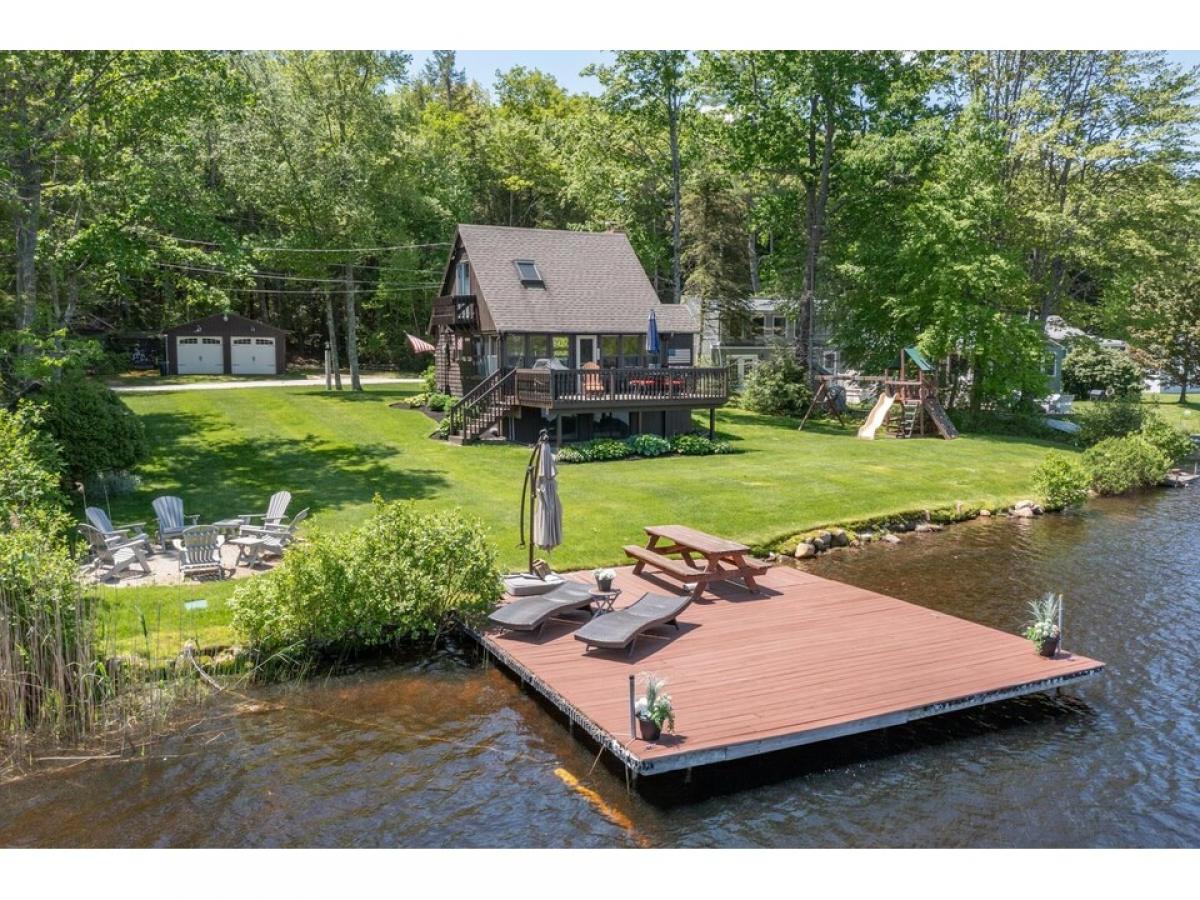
{"x": 514, "y": 351}
{"x": 631, "y": 350}
{"x": 562, "y": 349}
{"x": 758, "y": 326}
{"x": 462, "y": 279}
{"x": 528, "y": 272}
{"x": 610, "y": 351}
{"x": 779, "y": 326}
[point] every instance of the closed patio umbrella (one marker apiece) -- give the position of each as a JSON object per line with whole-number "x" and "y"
{"x": 545, "y": 513}
{"x": 652, "y": 345}
{"x": 547, "y": 516}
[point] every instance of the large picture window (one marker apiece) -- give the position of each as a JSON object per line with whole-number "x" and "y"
{"x": 562, "y": 349}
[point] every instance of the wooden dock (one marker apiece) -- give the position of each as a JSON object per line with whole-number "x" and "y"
{"x": 804, "y": 659}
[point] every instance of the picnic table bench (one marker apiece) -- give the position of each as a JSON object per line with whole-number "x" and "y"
{"x": 704, "y": 557}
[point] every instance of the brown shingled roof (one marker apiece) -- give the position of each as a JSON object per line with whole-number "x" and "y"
{"x": 594, "y": 282}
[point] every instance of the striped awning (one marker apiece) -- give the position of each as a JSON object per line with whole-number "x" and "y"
{"x": 418, "y": 345}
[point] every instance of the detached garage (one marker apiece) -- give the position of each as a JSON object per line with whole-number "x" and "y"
{"x": 226, "y": 344}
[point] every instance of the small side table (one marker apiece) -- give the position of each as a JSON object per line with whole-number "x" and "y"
{"x": 228, "y": 527}
{"x": 602, "y": 601}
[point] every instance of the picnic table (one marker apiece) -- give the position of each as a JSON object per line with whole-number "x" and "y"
{"x": 705, "y": 558}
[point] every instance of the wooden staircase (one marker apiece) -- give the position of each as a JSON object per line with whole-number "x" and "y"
{"x": 482, "y": 407}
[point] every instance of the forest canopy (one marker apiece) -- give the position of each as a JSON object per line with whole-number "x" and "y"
{"x": 952, "y": 200}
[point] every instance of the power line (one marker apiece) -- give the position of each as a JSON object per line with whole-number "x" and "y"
{"x": 300, "y": 249}
{"x": 267, "y": 275}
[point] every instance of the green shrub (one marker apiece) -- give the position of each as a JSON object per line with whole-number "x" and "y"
{"x": 777, "y": 387}
{"x": 416, "y": 401}
{"x": 1109, "y": 419}
{"x": 1122, "y": 464}
{"x": 429, "y": 380}
{"x": 439, "y": 402}
{"x": 1173, "y": 443}
{"x": 29, "y": 474}
{"x": 1061, "y": 481}
{"x": 603, "y": 449}
{"x": 400, "y": 575}
{"x": 1091, "y": 367}
{"x": 95, "y": 430}
{"x": 648, "y": 445}
{"x": 698, "y": 445}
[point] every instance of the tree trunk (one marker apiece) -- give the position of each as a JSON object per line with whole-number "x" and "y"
{"x": 352, "y": 331}
{"x": 752, "y": 254}
{"x": 976, "y": 384}
{"x": 676, "y": 204}
{"x": 26, "y": 222}
{"x": 1183, "y": 383}
{"x": 333, "y": 345}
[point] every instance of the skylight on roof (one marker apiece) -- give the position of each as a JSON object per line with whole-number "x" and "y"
{"x": 527, "y": 271}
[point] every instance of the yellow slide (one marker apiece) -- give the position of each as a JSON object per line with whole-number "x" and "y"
{"x": 876, "y": 417}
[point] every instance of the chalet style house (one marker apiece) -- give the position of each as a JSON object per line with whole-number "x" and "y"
{"x": 539, "y": 328}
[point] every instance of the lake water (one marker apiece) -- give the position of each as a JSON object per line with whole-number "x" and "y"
{"x": 444, "y": 752}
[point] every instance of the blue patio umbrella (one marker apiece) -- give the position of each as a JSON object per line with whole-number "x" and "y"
{"x": 652, "y": 348}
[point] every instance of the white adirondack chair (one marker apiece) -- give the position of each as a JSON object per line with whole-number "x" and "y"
{"x": 274, "y": 518}
{"x": 117, "y": 534}
{"x": 201, "y": 551}
{"x": 253, "y": 547}
{"x": 118, "y": 556}
{"x": 171, "y": 520}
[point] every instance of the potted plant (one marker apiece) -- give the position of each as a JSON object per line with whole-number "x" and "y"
{"x": 654, "y": 710}
{"x": 1043, "y": 630}
{"x": 604, "y": 578}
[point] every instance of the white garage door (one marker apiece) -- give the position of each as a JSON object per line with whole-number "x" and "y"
{"x": 199, "y": 356}
{"x": 253, "y": 356}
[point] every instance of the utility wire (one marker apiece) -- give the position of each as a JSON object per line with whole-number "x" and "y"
{"x": 304, "y": 278}
{"x": 300, "y": 249}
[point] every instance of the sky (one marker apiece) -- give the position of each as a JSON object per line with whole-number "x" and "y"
{"x": 565, "y": 65}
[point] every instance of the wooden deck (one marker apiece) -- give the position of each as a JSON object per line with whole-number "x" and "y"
{"x": 803, "y": 660}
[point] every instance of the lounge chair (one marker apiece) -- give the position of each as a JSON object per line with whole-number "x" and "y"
{"x": 116, "y": 534}
{"x": 118, "y": 556}
{"x": 532, "y": 613}
{"x": 275, "y": 515}
{"x": 623, "y": 627}
{"x": 200, "y": 553}
{"x": 255, "y": 544}
{"x": 171, "y": 520}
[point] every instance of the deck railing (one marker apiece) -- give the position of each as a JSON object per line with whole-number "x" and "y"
{"x": 551, "y": 387}
{"x": 456, "y": 312}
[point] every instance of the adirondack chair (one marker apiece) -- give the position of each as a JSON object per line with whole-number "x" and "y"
{"x": 117, "y": 534}
{"x": 253, "y": 547}
{"x": 171, "y": 520}
{"x": 274, "y": 517}
{"x": 117, "y": 556}
{"x": 201, "y": 551}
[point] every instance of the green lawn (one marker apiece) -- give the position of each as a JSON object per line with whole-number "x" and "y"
{"x": 225, "y": 452}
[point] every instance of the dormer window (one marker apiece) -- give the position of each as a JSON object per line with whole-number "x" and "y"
{"x": 462, "y": 279}
{"x": 527, "y": 271}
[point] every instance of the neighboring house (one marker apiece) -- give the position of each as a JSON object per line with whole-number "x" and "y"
{"x": 768, "y": 330}
{"x": 226, "y": 344}
{"x": 538, "y": 328}
{"x": 1058, "y": 340}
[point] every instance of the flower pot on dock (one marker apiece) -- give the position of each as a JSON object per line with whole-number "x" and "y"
{"x": 648, "y": 730}
{"x": 1049, "y": 646}
{"x": 604, "y": 584}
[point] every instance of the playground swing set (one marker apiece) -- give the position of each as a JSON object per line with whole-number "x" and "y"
{"x": 906, "y": 407}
